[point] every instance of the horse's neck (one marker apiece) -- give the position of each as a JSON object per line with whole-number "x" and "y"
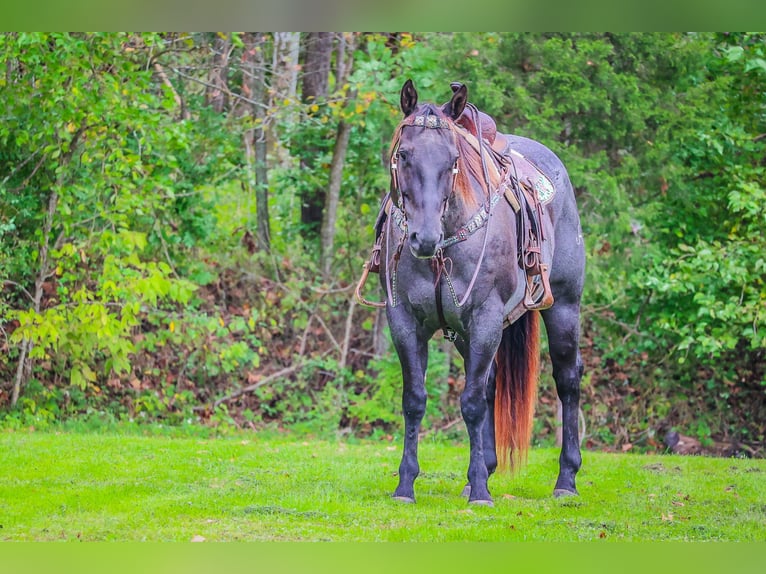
{"x": 460, "y": 211}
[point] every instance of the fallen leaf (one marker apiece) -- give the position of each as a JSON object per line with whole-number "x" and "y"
{"x": 667, "y": 517}
{"x": 627, "y": 446}
{"x": 509, "y": 496}
{"x": 198, "y": 538}
{"x": 602, "y": 534}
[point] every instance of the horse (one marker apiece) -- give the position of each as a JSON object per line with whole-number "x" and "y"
{"x": 449, "y": 257}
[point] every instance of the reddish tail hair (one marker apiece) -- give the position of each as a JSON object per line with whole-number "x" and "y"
{"x": 518, "y": 369}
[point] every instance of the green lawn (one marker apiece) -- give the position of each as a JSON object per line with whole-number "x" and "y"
{"x": 124, "y": 487}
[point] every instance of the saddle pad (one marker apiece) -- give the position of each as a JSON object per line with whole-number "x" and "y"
{"x": 532, "y": 177}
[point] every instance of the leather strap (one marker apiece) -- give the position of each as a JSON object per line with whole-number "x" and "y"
{"x": 438, "y": 264}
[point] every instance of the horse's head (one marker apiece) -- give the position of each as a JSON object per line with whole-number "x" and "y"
{"x": 424, "y": 166}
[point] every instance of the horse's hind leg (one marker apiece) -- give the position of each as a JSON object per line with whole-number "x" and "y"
{"x": 488, "y": 430}
{"x": 563, "y": 328}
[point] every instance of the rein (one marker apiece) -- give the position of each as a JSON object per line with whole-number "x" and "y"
{"x": 475, "y": 111}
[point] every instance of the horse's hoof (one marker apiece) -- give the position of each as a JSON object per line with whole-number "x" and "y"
{"x": 562, "y": 492}
{"x": 480, "y": 502}
{"x": 466, "y": 491}
{"x": 405, "y": 499}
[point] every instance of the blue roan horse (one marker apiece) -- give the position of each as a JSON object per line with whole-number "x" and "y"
{"x": 480, "y": 237}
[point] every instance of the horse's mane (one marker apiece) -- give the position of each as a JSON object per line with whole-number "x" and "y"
{"x": 469, "y": 161}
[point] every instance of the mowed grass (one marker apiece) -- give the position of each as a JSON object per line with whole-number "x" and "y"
{"x": 123, "y": 487}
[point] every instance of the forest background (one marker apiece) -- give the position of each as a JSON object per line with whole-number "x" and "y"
{"x": 183, "y": 217}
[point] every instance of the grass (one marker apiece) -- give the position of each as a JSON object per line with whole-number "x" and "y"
{"x": 128, "y": 487}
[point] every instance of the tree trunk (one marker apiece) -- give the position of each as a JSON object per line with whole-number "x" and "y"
{"x": 316, "y": 74}
{"x": 255, "y": 140}
{"x": 24, "y": 368}
{"x": 330, "y": 215}
{"x": 333, "y": 194}
{"x": 218, "y": 79}
{"x": 285, "y": 64}
{"x": 284, "y": 87}
{"x": 316, "y": 67}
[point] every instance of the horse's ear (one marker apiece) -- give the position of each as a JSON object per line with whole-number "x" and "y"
{"x": 409, "y": 98}
{"x": 456, "y": 105}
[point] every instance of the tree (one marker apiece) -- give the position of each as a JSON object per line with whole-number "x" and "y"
{"x": 345, "y": 64}
{"x": 217, "y": 91}
{"x": 94, "y": 157}
{"x": 318, "y": 47}
{"x": 254, "y": 85}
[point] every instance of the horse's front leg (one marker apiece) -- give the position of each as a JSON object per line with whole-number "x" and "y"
{"x": 476, "y": 414}
{"x": 412, "y": 348}
{"x": 488, "y": 428}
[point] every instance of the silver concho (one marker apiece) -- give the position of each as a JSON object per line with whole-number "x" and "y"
{"x": 544, "y": 189}
{"x": 431, "y": 121}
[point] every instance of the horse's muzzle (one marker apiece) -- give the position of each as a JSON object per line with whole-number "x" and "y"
{"x": 423, "y": 248}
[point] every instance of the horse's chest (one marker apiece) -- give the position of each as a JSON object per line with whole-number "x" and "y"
{"x": 422, "y": 302}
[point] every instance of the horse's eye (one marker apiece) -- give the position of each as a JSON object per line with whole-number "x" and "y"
{"x": 402, "y": 155}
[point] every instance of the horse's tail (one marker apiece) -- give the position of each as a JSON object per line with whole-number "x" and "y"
{"x": 518, "y": 369}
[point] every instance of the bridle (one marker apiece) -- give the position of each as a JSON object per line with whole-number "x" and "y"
{"x": 480, "y": 219}
{"x": 430, "y": 121}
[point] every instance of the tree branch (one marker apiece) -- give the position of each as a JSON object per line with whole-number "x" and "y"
{"x": 244, "y": 390}
{"x": 214, "y": 87}
{"x": 166, "y": 81}
{"x": 22, "y": 164}
{"x": 21, "y": 287}
{"x": 30, "y": 176}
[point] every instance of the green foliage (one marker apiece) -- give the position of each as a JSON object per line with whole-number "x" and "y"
{"x": 662, "y": 138}
{"x": 126, "y": 221}
{"x": 381, "y": 405}
{"x": 98, "y": 173}
{"x": 707, "y": 289}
